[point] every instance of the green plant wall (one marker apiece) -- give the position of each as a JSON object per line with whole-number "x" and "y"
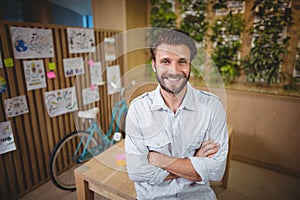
{"x": 270, "y": 42}
{"x": 254, "y": 43}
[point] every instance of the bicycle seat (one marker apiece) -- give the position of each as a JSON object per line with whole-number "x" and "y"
{"x": 88, "y": 114}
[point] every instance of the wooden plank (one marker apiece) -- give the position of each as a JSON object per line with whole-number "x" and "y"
{"x": 11, "y": 90}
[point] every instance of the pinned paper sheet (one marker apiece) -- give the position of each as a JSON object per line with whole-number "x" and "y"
{"x": 52, "y": 66}
{"x": 121, "y": 159}
{"x": 8, "y": 62}
{"x": 51, "y": 75}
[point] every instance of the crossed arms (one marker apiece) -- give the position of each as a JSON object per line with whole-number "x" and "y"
{"x": 182, "y": 167}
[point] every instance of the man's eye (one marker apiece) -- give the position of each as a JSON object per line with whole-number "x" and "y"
{"x": 165, "y": 62}
{"x": 182, "y": 62}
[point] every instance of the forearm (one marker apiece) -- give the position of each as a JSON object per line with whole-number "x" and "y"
{"x": 178, "y": 167}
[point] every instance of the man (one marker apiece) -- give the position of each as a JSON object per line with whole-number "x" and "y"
{"x": 176, "y": 136}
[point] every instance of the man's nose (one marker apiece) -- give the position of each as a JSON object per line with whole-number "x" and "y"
{"x": 174, "y": 67}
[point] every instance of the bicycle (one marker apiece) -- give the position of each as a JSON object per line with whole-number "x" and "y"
{"x": 79, "y": 146}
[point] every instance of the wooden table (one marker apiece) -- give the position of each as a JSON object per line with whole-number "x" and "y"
{"x": 102, "y": 175}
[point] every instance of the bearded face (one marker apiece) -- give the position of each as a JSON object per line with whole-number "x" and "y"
{"x": 172, "y": 67}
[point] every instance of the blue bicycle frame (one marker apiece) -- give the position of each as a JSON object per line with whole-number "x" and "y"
{"x": 119, "y": 109}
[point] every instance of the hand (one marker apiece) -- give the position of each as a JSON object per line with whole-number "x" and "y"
{"x": 208, "y": 149}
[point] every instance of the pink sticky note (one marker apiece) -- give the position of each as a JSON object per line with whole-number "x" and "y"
{"x": 51, "y": 75}
{"x": 92, "y": 87}
{"x": 91, "y": 62}
{"x": 121, "y": 156}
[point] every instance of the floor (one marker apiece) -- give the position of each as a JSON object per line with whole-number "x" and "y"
{"x": 246, "y": 182}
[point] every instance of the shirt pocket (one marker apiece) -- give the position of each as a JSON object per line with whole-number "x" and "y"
{"x": 194, "y": 143}
{"x": 159, "y": 143}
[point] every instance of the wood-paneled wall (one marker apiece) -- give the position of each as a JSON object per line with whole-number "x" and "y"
{"x": 35, "y": 133}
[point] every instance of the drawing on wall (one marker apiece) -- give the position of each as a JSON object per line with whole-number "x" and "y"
{"x": 90, "y": 95}
{"x": 1, "y": 64}
{"x": 61, "y": 101}
{"x": 113, "y": 79}
{"x": 16, "y": 106}
{"x": 81, "y": 40}
{"x": 31, "y": 42}
{"x": 34, "y": 74}
{"x": 109, "y": 49}
{"x": 3, "y": 85}
{"x": 73, "y": 66}
{"x": 7, "y": 142}
{"x": 96, "y": 73}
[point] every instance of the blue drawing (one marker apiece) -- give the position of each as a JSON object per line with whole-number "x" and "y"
{"x": 20, "y": 46}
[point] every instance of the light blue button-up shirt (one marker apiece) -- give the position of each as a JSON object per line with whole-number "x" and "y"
{"x": 151, "y": 125}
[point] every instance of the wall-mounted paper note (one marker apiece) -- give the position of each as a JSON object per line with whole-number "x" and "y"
{"x": 61, "y": 101}
{"x": 16, "y": 106}
{"x": 52, "y": 66}
{"x": 113, "y": 79}
{"x": 73, "y": 66}
{"x": 51, "y": 75}
{"x": 1, "y": 65}
{"x": 92, "y": 87}
{"x": 81, "y": 40}
{"x": 90, "y": 96}
{"x": 6, "y": 138}
{"x": 96, "y": 73}
{"x": 91, "y": 62}
{"x": 34, "y": 74}
{"x": 109, "y": 49}
{"x": 8, "y": 62}
{"x": 31, "y": 42}
{"x": 3, "y": 85}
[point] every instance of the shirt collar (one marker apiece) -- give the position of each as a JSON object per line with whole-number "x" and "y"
{"x": 187, "y": 103}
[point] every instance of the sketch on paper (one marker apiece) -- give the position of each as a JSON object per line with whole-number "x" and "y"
{"x": 1, "y": 64}
{"x": 113, "y": 79}
{"x": 34, "y": 74}
{"x": 81, "y": 40}
{"x": 16, "y": 106}
{"x": 31, "y": 42}
{"x": 90, "y": 96}
{"x": 7, "y": 142}
{"x": 96, "y": 73}
{"x": 73, "y": 66}
{"x": 109, "y": 49}
{"x": 61, "y": 101}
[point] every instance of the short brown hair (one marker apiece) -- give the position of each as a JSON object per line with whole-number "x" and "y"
{"x": 173, "y": 37}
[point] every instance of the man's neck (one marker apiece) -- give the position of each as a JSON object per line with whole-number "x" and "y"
{"x": 173, "y": 101}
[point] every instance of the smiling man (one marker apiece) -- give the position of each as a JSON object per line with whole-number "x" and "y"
{"x": 176, "y": 136}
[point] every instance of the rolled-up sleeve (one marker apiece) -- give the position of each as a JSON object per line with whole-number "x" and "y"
{"x": 138, "y": 167}
{"x": 212, "y": 169}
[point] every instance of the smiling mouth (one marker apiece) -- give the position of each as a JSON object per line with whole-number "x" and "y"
{"x": 173, "y": 78}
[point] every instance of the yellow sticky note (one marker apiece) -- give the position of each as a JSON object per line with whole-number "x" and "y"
{"x": 8, "y": 62}
{"x": 121, "y": 163}
{"x": 52, "y": 66}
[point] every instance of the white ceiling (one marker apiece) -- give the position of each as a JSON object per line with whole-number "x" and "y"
{"x": 82, "y": 7}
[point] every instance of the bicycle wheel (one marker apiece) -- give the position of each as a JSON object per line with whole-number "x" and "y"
{"x": 65, "y": 159}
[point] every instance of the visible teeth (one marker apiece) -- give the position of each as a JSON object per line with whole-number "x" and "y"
{"x": 173, "y": 79}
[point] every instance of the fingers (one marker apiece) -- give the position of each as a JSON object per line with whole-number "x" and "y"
{"x": 208, "y": 149}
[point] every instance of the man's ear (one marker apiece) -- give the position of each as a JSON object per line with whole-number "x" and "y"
{"x": 153, "y": 65}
